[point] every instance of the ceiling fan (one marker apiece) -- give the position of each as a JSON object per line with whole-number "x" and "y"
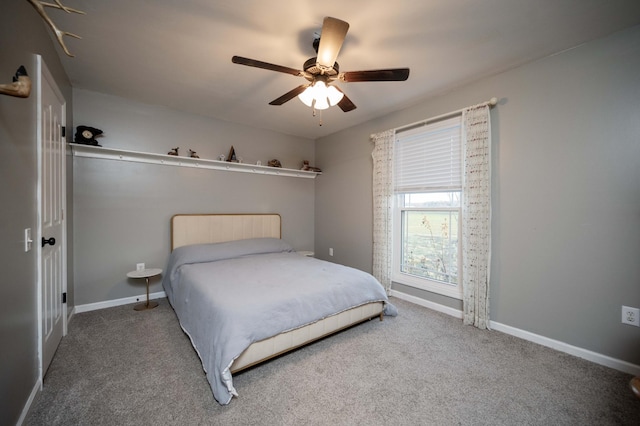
{"x": 322, "y": 70}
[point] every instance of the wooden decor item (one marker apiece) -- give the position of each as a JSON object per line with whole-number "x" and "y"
{"x": 232, "y": 155}
{"x": 21, "y": 86}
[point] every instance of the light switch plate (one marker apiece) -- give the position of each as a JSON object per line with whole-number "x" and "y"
{"x": 28, "y": 241}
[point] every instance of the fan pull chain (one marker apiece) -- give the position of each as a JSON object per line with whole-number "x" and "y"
{"x": 316, "y": 113}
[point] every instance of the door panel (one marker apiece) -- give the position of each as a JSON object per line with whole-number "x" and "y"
{"x": 52, "y": 225}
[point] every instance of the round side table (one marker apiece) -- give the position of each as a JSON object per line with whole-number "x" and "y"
{"x": 146, "y": 274}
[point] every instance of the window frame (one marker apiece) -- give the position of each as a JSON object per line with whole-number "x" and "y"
{"x": 428, "y": 284}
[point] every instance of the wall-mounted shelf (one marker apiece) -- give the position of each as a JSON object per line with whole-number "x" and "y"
{"x": 90, "y": 151}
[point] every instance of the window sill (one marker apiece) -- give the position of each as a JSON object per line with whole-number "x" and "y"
{"x": 428, "y": 285}
{"x": 90, "y": 151}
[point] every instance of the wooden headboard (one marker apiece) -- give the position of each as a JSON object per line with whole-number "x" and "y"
{"x": 216, "y": 228}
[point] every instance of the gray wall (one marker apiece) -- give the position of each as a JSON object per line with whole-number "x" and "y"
{"x": 122, "y": 209}
{"x": 566, "y": 193}
{"x": 22, "y": 34}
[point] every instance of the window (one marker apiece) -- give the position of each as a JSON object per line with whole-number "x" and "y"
{"x": 427, "y": 213}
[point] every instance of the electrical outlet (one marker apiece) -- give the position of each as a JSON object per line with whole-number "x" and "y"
{"x": 330, "y": 251}
{"x": 631, "y": 316}
{"x": 139, "y": 266}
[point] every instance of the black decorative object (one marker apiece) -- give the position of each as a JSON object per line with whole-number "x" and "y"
{"x": 193, "y": 154}
{"x": 274, "y": 163}
{"x": 86, "y": 135}
{"x": 174, "y": 151}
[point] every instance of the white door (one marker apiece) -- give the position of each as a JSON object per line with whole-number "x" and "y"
{"x": 52, "y": 191}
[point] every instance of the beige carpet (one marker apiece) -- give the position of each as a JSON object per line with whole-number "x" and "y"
{"x": 121, "y": 367}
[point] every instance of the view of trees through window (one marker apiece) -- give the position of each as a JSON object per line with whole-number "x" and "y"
{"x": 430, "y": 230}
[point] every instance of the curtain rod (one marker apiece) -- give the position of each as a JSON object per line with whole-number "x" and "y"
{"x": 491, "y": 102}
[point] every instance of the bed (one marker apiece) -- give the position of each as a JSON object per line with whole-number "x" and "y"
{"x": 243, "y": 295}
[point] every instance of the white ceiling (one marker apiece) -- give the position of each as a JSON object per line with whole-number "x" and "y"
{"x": 178, "y": 53}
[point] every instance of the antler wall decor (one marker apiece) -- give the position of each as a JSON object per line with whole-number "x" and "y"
{"x": 40, "y": 5}
{"x": 21, "y": 86}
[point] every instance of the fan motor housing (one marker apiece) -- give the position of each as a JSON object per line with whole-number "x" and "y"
{"x": 311, "y": 66}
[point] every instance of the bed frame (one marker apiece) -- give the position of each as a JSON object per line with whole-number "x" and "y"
{"x": 215, "y": 228}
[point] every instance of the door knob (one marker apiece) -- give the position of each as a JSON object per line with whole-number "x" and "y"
{"x": 51, "y": 241}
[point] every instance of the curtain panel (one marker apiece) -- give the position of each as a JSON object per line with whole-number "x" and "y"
{"x": 476, "y": 213}
{"x": 382, "y": 206}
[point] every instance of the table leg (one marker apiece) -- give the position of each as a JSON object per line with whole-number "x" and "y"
{"x": 148, "y": 304}
{"x": 147, "y": 280}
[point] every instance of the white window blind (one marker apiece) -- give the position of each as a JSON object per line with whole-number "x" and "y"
{"x": 428, "y": 158}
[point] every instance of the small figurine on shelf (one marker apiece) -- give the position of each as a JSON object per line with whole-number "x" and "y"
{"x": 174, "y": 151}
{"x": 87, "y": 135}
{"x": 232, "y": 155}
{"x": 308, "y": 168}
{"x": 193, "y": 154}
{"x": 274, "y": 163}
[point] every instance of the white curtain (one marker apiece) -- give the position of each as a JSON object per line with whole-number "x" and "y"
{"x": 476, "y": 212}
{"x": 383, "y": 206}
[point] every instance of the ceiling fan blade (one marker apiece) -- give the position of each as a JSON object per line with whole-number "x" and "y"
{"x": 345, "y": 103}
{"x": 395, "y": 74}
{"x": 331, "y": 38}
{"x": 265, "y": 65}
{"x": 289, "y": 95}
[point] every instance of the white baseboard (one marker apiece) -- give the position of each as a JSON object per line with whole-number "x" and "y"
{"x": 117, "y": 302}
{"x": 34, "y": 392}
{"x": 595, "y": 357}
{"x": 598, "y": 358}
{"x": 427, "y": 304}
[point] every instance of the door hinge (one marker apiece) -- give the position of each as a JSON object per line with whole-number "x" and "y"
{"x": 64, "y": 297}
{"x": 64, "y": 131}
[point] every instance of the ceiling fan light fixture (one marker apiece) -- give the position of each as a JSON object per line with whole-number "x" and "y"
{"x": 307, "y": 96}
{"x": 334, "y": 95}
{"x": 321, "y": 103}
{"x": 320, "y": 96}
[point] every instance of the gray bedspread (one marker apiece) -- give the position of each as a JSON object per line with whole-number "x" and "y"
{"x": 229, "y": 295}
